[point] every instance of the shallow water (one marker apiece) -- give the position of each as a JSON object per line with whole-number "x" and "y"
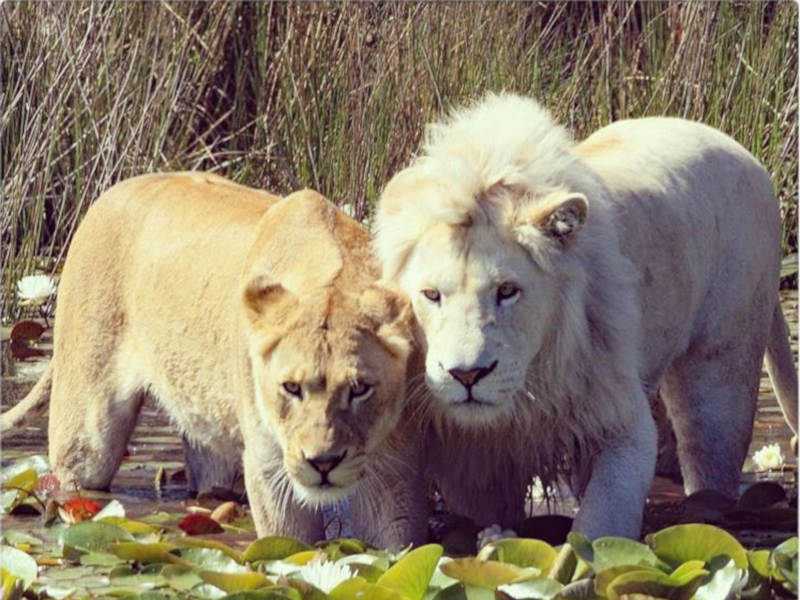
{"x": 154, "y": 447}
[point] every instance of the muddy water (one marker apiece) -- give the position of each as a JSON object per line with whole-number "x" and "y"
{"x": 154, "y": 449}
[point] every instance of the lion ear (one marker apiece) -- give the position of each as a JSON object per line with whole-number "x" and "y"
{"x": 558, "y": 216}
{"x": 266, "y": 301}
{"x": 392, "y": 317}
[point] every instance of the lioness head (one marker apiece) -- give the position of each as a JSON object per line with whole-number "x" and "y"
{"x": 328, "y": 347}
{"x": 481, "y": 246}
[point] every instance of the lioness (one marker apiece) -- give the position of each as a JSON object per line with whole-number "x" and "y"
{"x": 257, "y": 324}
{"x": 557, "y": 285}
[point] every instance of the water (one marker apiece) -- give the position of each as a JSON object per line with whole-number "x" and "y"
{"x": 154, "y": 448}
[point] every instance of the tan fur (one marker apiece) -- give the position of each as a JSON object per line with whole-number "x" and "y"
{"x": 644, "y": 258}
{"x": 210, "y": 296}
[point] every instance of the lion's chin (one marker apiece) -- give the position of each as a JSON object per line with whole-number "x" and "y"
{"x": 321, "y": 495}
{"x": 474, "y": 413}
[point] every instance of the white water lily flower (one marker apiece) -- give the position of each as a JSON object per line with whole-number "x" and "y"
{"x": 35, "y": 289}
{"x": 325, "y": 574}
{"x": 768, "y": 457}
{"x": 493, "y": 533}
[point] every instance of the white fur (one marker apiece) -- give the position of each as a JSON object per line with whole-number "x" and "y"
{"x": 608, "y": 307}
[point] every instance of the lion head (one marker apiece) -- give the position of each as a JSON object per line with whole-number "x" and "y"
{"x": 328, "y": 346}
{"x": 487, "y": 238}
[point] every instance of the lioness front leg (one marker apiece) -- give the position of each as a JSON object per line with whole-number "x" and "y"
{"x": 390, "y": 508}
{"x": 621, "y": 476}
{"x": 207, "y": 469}
{"x": 272, "y": 503}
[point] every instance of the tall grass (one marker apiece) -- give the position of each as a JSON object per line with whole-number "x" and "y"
{"x": 335, "y": 96}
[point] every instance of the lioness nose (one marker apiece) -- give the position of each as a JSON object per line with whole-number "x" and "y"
{"x": 472, "y": 376}
{"x": 325, "y": 463}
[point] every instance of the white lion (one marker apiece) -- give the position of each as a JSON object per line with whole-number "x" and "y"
{"x": 558, "y": 285}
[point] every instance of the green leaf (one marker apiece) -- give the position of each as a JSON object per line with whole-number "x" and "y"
{"x": 604, "y": 578}
{"x": 19, "y": 564}
{"x": 192, "y": 542}
{"x": 358, "y": 587}
{"x": 273, "y": 548}
{"x": 486, "y": 573}
{"x": 521, "y": 552}
{"x": 137, "y": 529}
{"x": 654, "y": 583}
{"x": 582, "y": 546}
{"x": 759, "y": 561}
{"x": 90, "y": 536}
{"x": 783, "y": 563}
{"x": 157, "y": 552}
{"x": 235, "y": 582}
{"x": 410, "y": 575}
{"x": 210, "y": 559}
{"x": 100, "y": 559}
{"x": 681, "y": 543}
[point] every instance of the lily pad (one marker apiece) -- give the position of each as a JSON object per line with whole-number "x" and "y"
{"x": 91, "y": 536}
{"x": 410, "y": 575}
{"x": 19, "y": 564}
{"x": 521, "y": 552}
{"x": 235, "y": 582}
{"x": 654, "y": 583}
{"x": 681, "y": 543}
{"x": 156, "y": 552}
{"x": 486, "y": 573}
{"x": 358, "y": 587}
{"x": 273, "y": 548}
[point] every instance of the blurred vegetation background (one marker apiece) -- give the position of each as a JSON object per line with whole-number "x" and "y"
{"x": 335, "y": 96}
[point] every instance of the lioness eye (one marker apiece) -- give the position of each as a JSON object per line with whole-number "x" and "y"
{"x": 506, "y": 291}
{"x": 293, "y": 388}
{"x": 360, "y": 391}
{"x": 432, "y": 295}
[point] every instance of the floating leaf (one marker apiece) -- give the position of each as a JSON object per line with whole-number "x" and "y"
{"x": 27, "y": 331}
{"x": 410, "y": 575}
{"x": 358, "y": 587}
{"x": 762, "y": 495}
{"x": 759, "y": 561}
{"x": 19, "y": 564}
{"x": 486, "y": 573}
{"x": 210, "y": 559}
{"x": 537, "y": 589}
{"x": 144, "y": 553}
{"x": 521, "y": 552}
{"x": 681, "y": 543}
{"x": 91, "y": 536}
{"x": 137, "y": 529}
{"x": 271, "y": 593}
{"x": 654, "y": 583}
{"x": 235, "y": 582}
{"x": 725, "y": 581}
{"x": 199, "y": 524}
{"x": 783, "y": 562}
{"x": 582, "y": 546}
{"x": 274, "y": 548}
{"x": 215, "y": 544}
{"x": 616, "y": 551}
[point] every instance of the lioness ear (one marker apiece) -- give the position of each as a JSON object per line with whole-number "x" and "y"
{"x": 392, "y": 317}
{"x": 559, "y": 216}
{"x": 266, "y": 298}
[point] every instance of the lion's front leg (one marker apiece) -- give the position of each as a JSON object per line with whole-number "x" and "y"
{"x": 390, "y": 506}
{"x": 621, "y": 476}
{"x": 272, "y": 503}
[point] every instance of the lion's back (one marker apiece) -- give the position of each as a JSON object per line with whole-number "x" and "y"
{"x": 697, "y": 216}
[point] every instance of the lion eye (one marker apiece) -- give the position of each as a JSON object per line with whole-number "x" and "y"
{"x": 432, "y": 295}
{"x": 360, "y": 391}
{"x": 506, "y": 291}
{"x": 292, "y": 388}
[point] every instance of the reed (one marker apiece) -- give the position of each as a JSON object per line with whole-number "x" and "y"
{"x": 335, "y": 96}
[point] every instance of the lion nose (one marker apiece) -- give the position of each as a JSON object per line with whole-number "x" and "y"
{"x": 470, "y": 377}
{"x": 325, "y": 463}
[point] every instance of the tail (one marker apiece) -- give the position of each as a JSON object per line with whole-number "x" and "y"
{"x": 34, "y": 403}
{"x": 781, "y": 369}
